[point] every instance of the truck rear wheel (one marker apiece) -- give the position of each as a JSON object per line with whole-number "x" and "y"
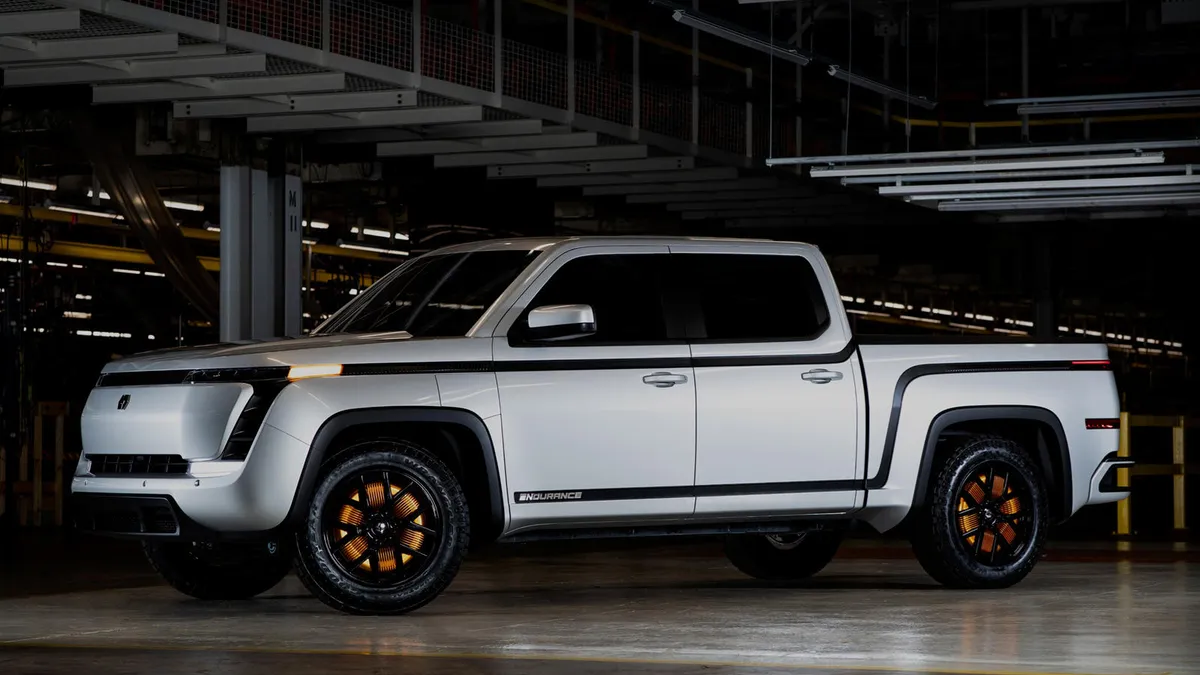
{"x": 219, "y": 570}
{"x": 385, "y": 532}
{"x": 783, "y": 557}
{"x": 985, "y": 519}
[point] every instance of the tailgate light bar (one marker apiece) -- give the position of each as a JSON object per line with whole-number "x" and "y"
{"x": 1097, "y": 364}
{"x": 1103, "y": 423}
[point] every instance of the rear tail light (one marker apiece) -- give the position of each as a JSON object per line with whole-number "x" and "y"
{"x": 1103, "y": 423}
{"x": 1097, "y": 364}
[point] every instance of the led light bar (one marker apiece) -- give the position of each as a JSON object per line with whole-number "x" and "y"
{"x": 1110, "y": 106}
{"x": 881, "y": 88}
{"x": 1075, "y": 161}
{"x": 86, "y": 212}
{"x": 169, "y": 203}
{"x": 1070, "y": 202}
{"x": 900, "y": 177}
{"x": 379, "y": 233}
{"x": 737, "y": 35}
{"x": 1021, "y": 194}
{"x": 316, "y": 224}
{"x": 1131, "y": 181}
{"x": 33, "y": 184}
{"x": 373, "y": 249}
{"x": 1018, "y": 151}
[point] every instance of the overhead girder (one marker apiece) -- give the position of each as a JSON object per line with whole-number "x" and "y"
{"x": 618, "y": 166}
{"x": 192, "y": 88}
{"x": 373, "y": 118}
{"x": 598, "y": 154}
{"x": 262, "y": 104}
{"x": 134, "y": 69}
{"x": 717, "y": 195}
{"x": 15, "y": 49}
{"x": 464, "y": 130}
{"x": 634, "y": 177}
{"x": 44, "y": 21}
{"x": 765, "y": 183}
{"x": 484, "y": 144}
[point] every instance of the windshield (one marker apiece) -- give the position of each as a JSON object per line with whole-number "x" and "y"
{"x": 432, "y": 296}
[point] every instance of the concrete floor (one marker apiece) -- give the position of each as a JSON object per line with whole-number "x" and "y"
{"x": 643, "y": 609}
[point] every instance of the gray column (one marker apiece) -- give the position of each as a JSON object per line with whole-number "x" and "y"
{"x": 291, "y": 274}
{"x": 236, "y": 202}
{"x": 264, "y": 256}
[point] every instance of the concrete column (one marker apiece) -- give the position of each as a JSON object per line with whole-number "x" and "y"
{"x": 292, "y": 271}
{"x": 236, "y": 203}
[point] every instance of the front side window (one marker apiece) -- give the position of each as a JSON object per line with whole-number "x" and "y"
{"x": 622, "y": 291}
{"x": 756, "y": 297}
{"x": 432, "y": 296}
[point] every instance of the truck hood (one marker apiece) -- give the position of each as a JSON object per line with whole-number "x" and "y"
{"x": 362, "y": 348}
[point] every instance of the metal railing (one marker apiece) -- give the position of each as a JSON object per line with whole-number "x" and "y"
{"x": 382, "y": 34}
{"x": 1177, "y": 469}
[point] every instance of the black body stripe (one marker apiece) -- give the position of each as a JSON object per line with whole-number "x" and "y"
{"x": 688, "y": 491}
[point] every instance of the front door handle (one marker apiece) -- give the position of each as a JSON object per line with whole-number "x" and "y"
{"x": 663, "y": 380}
{"x": 821, "y": 376}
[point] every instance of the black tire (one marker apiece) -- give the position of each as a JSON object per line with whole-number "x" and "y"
{"x": 220, "y": 571}
{"x": 783, "y": 557}
{"x": 395, "y": 570}
{"x": 942, "y": 530}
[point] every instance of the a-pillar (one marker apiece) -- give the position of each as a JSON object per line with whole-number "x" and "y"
{"x": 260, "y": 253}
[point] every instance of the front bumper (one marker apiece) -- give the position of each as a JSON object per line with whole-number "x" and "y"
{"x": 229, "y": 497}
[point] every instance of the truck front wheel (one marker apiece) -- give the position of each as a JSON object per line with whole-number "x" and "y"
{"x": 783, "y": 557}
{"x": 386, "y": 530}
{"x": 219, "y": 570}
{"x": 985, "y": 519}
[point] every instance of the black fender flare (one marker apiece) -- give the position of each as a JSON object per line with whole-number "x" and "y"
{"x": 348, "y": 419}
{"x": 953, "y": 416}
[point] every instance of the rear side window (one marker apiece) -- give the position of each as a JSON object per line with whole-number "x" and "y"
{"x": 622, "y": 291}
{"x": 755, "y": 297}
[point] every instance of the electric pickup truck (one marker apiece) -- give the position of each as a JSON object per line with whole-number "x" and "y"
{"x": 523, "y": 389}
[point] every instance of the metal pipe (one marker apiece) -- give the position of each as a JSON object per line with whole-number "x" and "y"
{"x": 1023, "y": 150}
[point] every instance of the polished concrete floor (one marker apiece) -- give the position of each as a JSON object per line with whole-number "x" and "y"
{"x": 677, "y": 608}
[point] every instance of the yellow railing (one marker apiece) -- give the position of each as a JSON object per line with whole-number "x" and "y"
{"x": 1177, "y": 469}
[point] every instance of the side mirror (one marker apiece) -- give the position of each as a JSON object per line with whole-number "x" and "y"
{"x": 561, "y": 322}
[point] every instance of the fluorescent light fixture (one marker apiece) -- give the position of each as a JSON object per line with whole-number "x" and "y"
{"x": 212, "y": 228}
{"x": 1071, "y": 202}
{"x": 371, "y": 232}
{"x": 56, "y": 264}
{"x": 149, "y": 337}
{"x": 121, "y": 270}
{"x": 1135, "y": 181}
{"x": 309, "y": 242}
{"x": 86, "y": 212}
{"x": 1123, "y": 159}
{"x": 1019, "y": 194}
{"x": 1110, "y": 106}
{"x": 81, "y": 296}
{"x": 738, "y": 35}
{"x": 154, "y": 274}
{"x": 75, "y": 266}
{"x": 316, "y": 224}
{"x": 76, "y": 315}
{"x": 316, "y": 370}
{"x": 881, "y": 88}
{"x": 1017, "y": 151}
{"x": 32, "y": 184}
{"x": 901, "y": 175}
{"x": 353, "y": 291}
{"x": 372, "y": 249}
{"x": 1092, "y": 97}
{"x": 169, "y": 203}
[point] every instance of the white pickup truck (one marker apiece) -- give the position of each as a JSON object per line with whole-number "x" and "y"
{"x": 520, "y": 389}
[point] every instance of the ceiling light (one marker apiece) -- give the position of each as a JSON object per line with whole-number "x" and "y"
{"x": 900, "y": 174}
{"x": 154, "y": 274}
{"x": 379, "y": 233}
{"x": 881, "y": 88}
{"x": 212, "y": 228}
{"x": 316, "y": 224}
{"x": 1019, "y": 194}
{"x": 51, "y": 263}
{"x": 1071, "y": 202}
{"x": 738, "y": 35}
{"x": 169, "y": 203}
{"x": 120, "y": 270}
{"x": 993, "y": 165}
{"x": 31, "y": 184}
{"x": 81, "y": 296}
{"x": 69, "y": 314}
{"x": 1110, "y": 106}
{"x": 1137, "y": 181}
{"x": 373, "y": 249}
{"x": 1018, "y": 151}
{"x": 86, "y": 212}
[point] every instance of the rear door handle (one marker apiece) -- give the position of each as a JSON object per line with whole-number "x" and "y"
{"x": 821, "y": 376}
{"x": 663, "y": 380}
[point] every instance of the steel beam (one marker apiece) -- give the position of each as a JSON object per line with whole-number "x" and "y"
{"x": 377, "y": 118}
{"x": 310, "y": 103}
{"x": 722, "y": 214}
{"x": 141, "y": 69}
{"x": 619, "y": 166}
{"x": 716, "y": 195}
{"x": 538, "y": 142}
{"x": 745, "y": 204}
{"x": 1008, "y": 186}
{"x": 1017, "y": 151}
{"x": 209, "y": 87}
{"x": 773, "y": 222}
{"x": 742, "y": 184}
{"x": 655, "y": 177}
{"x": 22, "y": 23}
{"x": 605, "y": 153}
{"x": 467, "y": 130}
{"x": 25, "y": 50}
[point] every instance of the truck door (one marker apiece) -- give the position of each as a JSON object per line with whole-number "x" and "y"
{"x": 777, "y": 414}
{"x": 598, "y": 428}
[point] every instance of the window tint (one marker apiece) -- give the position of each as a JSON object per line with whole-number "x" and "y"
{"x": 434, "y": 295}
{"x": 622, "y": 291}
{"x": 756, "y": 296}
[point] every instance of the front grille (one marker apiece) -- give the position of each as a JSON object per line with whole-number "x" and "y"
{"x": 137, "y": 465}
